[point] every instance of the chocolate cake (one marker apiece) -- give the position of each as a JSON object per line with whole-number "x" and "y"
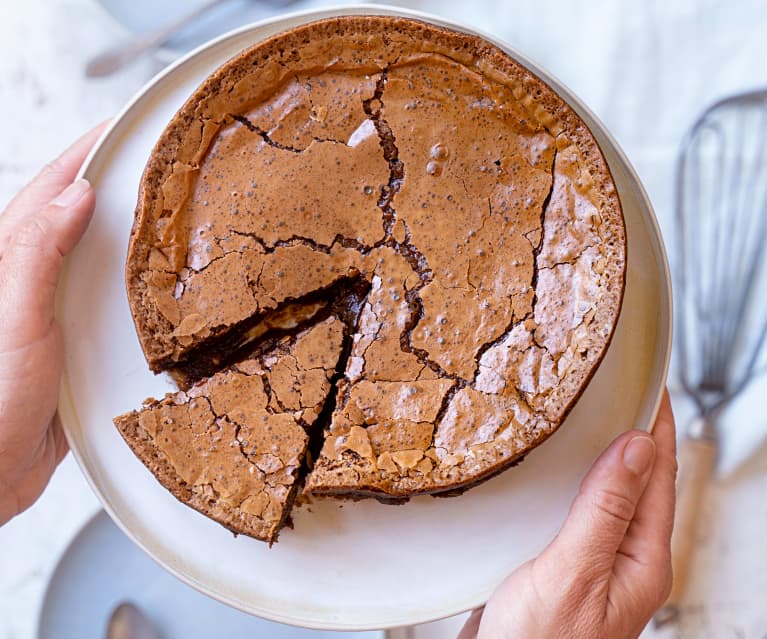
{"x": 232, "y": 446}
{"x": 440, "y": 199}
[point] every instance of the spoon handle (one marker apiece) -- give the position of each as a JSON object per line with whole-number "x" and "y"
{"x": 697, "y": 457}
{"x": 121, "y": 54}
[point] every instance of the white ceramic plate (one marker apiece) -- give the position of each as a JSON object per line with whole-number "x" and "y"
{"x": 350, "y": 565}
{"x": 101, "y": 568}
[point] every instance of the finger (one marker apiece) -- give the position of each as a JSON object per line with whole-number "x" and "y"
{"x": 600, "y": 515}
{"x": 31, "y": 264}
{"x": 471, "y": 627}
{"x": 646, "y": 549}
{"x": 60, "y": 440}
{"x": 51, "y": 181}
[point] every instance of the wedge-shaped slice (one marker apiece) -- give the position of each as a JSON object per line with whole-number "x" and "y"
{"x": 232, "y": 446}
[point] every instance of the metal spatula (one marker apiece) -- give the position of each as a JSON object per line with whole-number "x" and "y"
{"x": 721, "y": 294}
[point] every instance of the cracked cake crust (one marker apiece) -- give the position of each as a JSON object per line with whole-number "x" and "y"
{"x": 471, "y": 200}
{"x": 232, "y": 446}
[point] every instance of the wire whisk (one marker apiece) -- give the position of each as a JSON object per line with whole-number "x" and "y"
{"x": 720, "y": 298}
{"x": 722, "y": 219}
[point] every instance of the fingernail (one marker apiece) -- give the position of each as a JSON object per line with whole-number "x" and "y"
{"x": 639, "y": 454}
{"x": 73, "y": 193}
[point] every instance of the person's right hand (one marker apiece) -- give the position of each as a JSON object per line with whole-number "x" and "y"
{"x": 609, "y": 568}
{"x": 40, "y": 226}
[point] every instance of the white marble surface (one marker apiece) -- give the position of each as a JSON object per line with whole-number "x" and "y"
{"x": 646, "y": 68}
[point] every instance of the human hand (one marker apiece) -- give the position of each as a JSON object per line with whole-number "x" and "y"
{"x": 609, "y": 567}
{"x": 40, "y": 226}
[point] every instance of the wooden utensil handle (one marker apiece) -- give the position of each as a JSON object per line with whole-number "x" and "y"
{"x": 696, "y": 463}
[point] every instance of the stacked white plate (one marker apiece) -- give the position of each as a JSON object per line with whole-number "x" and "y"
{"x": 347, "y": 565}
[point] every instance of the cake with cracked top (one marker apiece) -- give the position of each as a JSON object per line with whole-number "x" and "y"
{"x": 452, "y": 206}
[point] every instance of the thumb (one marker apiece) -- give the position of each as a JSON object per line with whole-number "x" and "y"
{"x": 600, "y": 515}
{"x": 470, "y": 629}
{"x": 31, "y": 262}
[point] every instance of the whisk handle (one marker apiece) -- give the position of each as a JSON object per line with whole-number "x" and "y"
{"x": 696, "y": 463}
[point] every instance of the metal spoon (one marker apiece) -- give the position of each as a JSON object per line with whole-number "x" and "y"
{"x": 128, "y": 622}
{"x": 118, "y": 56}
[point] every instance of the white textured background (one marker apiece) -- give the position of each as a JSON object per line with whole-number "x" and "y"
{"x": 646, "y": 68}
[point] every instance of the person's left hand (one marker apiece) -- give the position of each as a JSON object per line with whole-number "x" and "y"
{"x": 609, "y": 567}
{"x": 37, "y": 230}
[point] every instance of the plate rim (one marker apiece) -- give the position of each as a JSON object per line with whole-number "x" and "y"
{"x": 662, "y": 355}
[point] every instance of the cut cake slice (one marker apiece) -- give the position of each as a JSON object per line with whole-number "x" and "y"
{"x": 232, "y": 445}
